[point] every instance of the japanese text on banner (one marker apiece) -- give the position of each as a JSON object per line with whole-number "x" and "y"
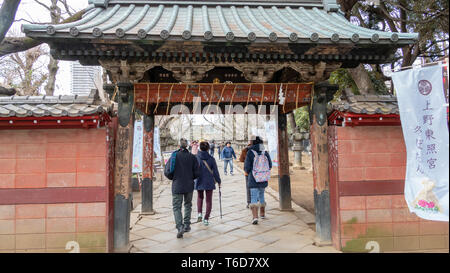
{"x": 137, "y": 147}
{"x": 423, "y": 114}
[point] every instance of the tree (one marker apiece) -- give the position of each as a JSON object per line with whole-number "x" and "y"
{"x": 428, "y": 18}
{"x": 7, "y": 15}
{"x": 302, "y": 118}
{"x": 23, "y": 71}
{"x": 11, "y": 46}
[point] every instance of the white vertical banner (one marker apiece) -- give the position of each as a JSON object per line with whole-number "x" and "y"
{"x": 137, "y": 146}
{"x": 423, "y": 114}
{"x": 156, "y": 143}
{"x": 272, "y": 141}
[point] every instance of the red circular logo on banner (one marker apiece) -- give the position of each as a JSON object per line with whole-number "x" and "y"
{"x": 425, "y": 87}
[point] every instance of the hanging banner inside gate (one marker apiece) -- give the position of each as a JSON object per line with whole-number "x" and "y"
{"x": 423, "y": 114}
{"x": 137, "y": 146}
{"x": 272, "y": 141}
{"x": 157, "y": 144}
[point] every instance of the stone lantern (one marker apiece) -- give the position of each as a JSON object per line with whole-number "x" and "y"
{"x": 298, "y": 148}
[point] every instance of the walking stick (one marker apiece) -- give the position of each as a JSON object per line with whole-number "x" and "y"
{"x": 220, "y": 202}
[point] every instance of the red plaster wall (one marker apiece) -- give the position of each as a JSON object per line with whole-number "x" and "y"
{"x": 47, "y": 159}
{"x": 377, "y": 156}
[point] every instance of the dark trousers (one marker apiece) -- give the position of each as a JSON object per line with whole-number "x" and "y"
{"x": 177, "y": 202}
{"x": 200, "y": 198}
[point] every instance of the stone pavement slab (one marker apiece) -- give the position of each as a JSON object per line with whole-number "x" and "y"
{"x": 281, "y": 231}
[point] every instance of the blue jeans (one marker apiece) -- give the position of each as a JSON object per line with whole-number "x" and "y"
{"x": 225, "y": 163}
{"x": 257, "y": 194}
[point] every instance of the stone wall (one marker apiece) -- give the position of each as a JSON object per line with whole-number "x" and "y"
{"x": 367, "y": 172}
{"x": 54, "y": 189}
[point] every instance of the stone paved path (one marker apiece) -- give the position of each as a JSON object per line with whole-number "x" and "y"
{"x": 234, "y": 233}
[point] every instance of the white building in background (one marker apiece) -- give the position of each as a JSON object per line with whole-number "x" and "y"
{"x": 83, "y": 78}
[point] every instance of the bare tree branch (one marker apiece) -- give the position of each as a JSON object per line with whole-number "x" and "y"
{"x": 17, "y": 44}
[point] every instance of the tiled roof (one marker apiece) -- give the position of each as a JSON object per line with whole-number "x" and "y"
{"x": 56, "y": 106}
{"x": 238, "y": 21}
{"x": 365, "y": 104}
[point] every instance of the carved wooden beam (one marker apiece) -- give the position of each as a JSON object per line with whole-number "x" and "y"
{"x": 188, "y": 73}
{"x": 318, "y": 72}
{"x": 124, "y": 71}
{"x": 258, "y": 73}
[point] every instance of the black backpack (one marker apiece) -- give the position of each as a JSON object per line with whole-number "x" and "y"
{"x": 169, "y": 168}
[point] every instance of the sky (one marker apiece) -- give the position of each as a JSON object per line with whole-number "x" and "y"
{"x": 31, "y": 11}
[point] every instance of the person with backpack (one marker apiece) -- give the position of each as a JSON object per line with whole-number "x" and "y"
{"x": 227, "y": 157}
{"x": 205, "y": 183}
{"x": 183, "y": 169}
{"x": 257, "y": 166}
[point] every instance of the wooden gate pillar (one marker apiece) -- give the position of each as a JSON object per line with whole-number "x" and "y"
{"x": 122, "y": 168}
{"x": 323, "y": 93}
{"x": 147, "y": 171}
{"x": 284, "y": 180}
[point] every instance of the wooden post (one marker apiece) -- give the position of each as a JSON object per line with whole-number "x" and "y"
{"x": 319, "y": 146}
{"x": 122, "y": 169}
{"x": 284, "y": 180}
{"x": 147, "y": 171}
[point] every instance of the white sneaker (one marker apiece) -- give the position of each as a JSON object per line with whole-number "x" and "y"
{"x": 199, "y": 218}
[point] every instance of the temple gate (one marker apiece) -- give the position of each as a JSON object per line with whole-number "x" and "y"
{"x": 161, "y": 53}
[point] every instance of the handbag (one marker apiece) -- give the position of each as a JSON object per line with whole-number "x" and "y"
{"x": 210, "y": 171}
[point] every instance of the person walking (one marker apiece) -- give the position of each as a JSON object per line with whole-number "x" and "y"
{"x": 227, "y": 157}
{"x": 219, "y": 149}
{"x": 257, "y": 166}
{"x": 242, "y": 159}
{"x": 205, "y": 183}
{"x": 212, "y": 146}
{"x": 185, "y": 171}
{"x": 194, "y": 147}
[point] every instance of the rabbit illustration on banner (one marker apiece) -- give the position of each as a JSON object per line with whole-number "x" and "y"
{"x": 426, "y": 200}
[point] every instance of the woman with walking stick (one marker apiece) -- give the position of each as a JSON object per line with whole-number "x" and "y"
{"x": 205, "y": 184}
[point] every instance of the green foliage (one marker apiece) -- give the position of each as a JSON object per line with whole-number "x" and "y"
{"x": 301, "y": 116}
{"x": 378, "y": 83}
{"x": 343, "y": 78}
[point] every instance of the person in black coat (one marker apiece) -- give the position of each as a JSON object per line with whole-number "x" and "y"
{"x": 256, "y": 188}
{"x": 212, "y": 146}
{"x": 206, "y": 182}
{"x": 185, "y": 172}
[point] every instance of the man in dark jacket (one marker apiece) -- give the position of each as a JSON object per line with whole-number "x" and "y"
{"x": 186, "y": 170}
{"x": 227, "y": 157}
{"x": 206, "y": 182}
{"x": 256, "y": 188}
